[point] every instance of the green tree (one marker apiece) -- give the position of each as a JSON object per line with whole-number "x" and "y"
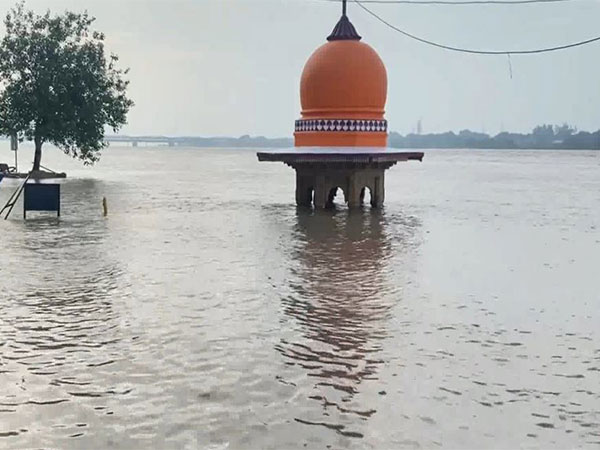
{"x": 564, "y": 131}
{"x": 57, "y": 85}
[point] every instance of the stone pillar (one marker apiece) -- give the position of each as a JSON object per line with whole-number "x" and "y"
{"x": 331, "y": 193}
{"x": 354, "y": 188}
{"x": 378, "y": 194}
{"x": 321, "y": 192}
{"x": 304, "y": 188}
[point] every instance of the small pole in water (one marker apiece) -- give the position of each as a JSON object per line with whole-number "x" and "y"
{"x": 14, "y": 146}
{"x": 104, "y": 206}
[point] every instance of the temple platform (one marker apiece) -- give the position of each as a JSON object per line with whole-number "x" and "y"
{"x": 321, "y": 171}
{"x": 338, "y": 154}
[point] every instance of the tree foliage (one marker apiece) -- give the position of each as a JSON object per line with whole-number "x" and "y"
{"x": 57, "y": 85}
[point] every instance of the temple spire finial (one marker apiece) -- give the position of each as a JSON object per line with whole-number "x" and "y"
{"x": 344, "y": 30}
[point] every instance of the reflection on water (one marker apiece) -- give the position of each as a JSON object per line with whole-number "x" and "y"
{"x": 341, "y": 300}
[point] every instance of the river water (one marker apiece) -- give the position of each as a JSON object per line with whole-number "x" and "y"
{"x": 206, "y": 311}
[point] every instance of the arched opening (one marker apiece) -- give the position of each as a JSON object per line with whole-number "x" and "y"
{"x": 335, "y": 200}
{"x": 365, "y": 196}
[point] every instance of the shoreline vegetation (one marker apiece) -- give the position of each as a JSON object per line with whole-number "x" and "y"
{"x": 546, "y": 137}
{"x": 563, "y": 137}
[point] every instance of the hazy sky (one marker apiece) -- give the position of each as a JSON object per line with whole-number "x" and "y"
{"x": 232, "y": 67}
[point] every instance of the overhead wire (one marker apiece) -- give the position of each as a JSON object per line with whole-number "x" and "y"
{"x": 474, "y": 51}
{"x": 458, "y": 2}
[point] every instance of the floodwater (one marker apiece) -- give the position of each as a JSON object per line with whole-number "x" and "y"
{"x": 206, "y": 311}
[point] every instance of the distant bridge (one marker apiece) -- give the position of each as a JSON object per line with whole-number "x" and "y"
{"x": 136, "y": 140}
{"x": 197, "y": 141}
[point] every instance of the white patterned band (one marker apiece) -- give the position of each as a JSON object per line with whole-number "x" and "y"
{"x": 373, "y": 126}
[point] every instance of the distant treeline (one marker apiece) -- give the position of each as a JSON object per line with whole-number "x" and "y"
{"x": 542, "y": 137}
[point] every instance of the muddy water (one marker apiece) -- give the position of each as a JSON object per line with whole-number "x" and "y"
{"x": 206, "y": 311}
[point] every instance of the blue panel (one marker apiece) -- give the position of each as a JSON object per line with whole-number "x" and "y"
{"x": 42, "y": 197}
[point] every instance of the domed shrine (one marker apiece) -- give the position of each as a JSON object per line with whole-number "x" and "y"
{"x": 343, "y": 91}
{"x": 341, "y": 138}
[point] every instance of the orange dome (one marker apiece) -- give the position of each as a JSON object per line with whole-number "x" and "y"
{"x": 344, "y": 77}
{"x": 343, "y": 91}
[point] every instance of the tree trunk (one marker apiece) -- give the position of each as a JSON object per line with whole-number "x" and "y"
{"x": 37, "y": 158}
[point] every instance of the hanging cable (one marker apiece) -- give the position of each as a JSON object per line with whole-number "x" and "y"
{"x": 458, "y": 2}
{"x": 473, "y": 51}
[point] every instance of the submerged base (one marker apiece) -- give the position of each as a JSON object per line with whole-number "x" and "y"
{"x": 318, "y": 184}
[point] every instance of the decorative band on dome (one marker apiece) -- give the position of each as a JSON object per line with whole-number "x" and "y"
{"x": 343, "y": 125}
